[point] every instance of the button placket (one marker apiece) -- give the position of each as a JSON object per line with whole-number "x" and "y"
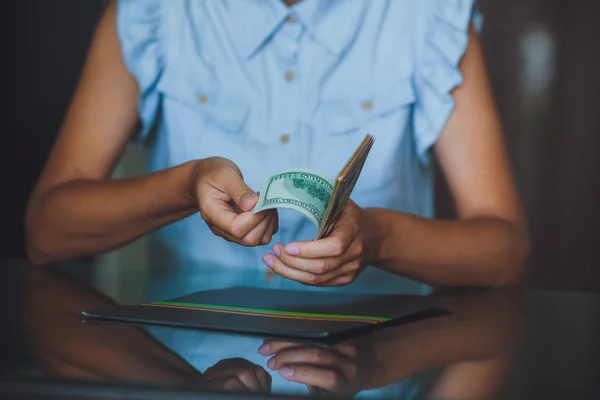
{"x": 286, "y": 112}
{"x": 287, "y": 49}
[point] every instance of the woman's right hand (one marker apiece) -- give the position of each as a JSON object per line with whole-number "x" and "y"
{"x": 226, "y": 202}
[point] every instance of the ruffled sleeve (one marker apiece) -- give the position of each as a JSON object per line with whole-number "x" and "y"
{"x": 140, "y": 30}
{"x": 445, "y": 39}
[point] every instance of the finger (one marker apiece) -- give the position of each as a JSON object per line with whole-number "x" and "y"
{"x": 307, "y": 355}
{"x": 263, "y": 229}
{"x": 318, "y": 266}
{"x": 342, "y": 280}
{"x": 321, "y": 377}
{"x": 255, "y": 236}
{"x": 290, "y": 273}
{"x": 244, "y": 241}
{"x": 226, "y": 365}
{"x": 228, "y": 384}
{"x": 231, "y": 183}
{"x": 344, "y": 233}
{"x": 247, "y": 377}
{"x": 333, "y": 246}
{"x": 219, "y": 371}
{"x": 219, "y": 213}
{"x": 263, "y": 378}
{"x": 224, "y": 235}
{"x": 243, "y": 224}
{"x": 270, "y": 231}
{"x": 273, "y": 225}
{"x": 276, "y": 221}
{"x": 252, "y": 375}
{"x": 272, "y": 347}
{"x": 330, "y": 271}
{"x": 234, "y": 207}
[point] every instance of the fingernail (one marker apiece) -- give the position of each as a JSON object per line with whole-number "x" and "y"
{"x": 287, "y": 372}
{"x": 276, "y": 250}
{"x": 268, "y": 260}
{"x": 264, "y": 349}
{"x": 249, "y": 201}
{"x": 292, "y": 250}
{"x": 271, "y": 363}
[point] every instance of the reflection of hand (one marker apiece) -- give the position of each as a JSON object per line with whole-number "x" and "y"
{"x": 238, "y": 375}
{"x": 333, "y": 261}
{"x": 334, "y": 369}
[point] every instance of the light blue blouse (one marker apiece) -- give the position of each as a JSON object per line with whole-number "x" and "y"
{"x": 272, "y": 87}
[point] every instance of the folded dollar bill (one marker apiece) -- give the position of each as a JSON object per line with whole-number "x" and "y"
{"x": 313, "y": 194}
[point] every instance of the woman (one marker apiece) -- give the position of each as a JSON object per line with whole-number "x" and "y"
{"x": 228, "y": 93}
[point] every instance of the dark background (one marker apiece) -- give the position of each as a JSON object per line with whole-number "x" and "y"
{"x": 544, "y": 62}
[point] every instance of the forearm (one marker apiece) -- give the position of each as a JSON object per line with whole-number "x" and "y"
{"x": 424, "y": 348}
{"x": 482, "y": 326}
{"x": 85, "y": 217}
{"x": 69, "y": 349}
{"x": 484, "y": 251}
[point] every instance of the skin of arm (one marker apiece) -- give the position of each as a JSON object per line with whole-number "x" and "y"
{"x": 486, "y": 245}
{"x": 75, "y": 210}
{"x": 69, "y": 349}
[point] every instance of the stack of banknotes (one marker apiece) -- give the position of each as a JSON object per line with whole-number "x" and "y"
{"x": 313, "y": 194}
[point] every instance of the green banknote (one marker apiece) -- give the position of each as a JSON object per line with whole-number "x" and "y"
{"x": 302, "y": 190}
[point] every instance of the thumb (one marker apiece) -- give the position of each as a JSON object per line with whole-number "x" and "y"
{"x": 248, "y": 201}
{"x": 243, "y": 197}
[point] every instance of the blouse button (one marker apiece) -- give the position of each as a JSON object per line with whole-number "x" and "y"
{"x": 285, "y": 138}
{"x": 289, "y": 76}
{"x": 202, "y": 99}
{"x": 367, "y": 106}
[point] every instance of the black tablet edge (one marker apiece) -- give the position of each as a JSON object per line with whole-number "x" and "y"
{"x": 319, "y": 335}
{"x": 325, "y": 338}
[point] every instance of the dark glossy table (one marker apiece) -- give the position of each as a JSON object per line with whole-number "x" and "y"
{"x": 495, "y": 344}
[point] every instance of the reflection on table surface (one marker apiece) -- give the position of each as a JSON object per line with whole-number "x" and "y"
{"x": 483, "y": 349}
{"x": 465, "y": 354}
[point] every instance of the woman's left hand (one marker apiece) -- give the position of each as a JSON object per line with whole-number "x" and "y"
{"x": 333, "y": 261}
{"x": 340, "y": 369}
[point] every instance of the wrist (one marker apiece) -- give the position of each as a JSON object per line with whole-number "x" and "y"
{"x": 375, "y": 231}
{"x": 193, "y": 171}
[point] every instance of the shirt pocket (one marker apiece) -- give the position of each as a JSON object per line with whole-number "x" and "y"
{"x": 385, "y": 113}
{"x": 222, "y": 110}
